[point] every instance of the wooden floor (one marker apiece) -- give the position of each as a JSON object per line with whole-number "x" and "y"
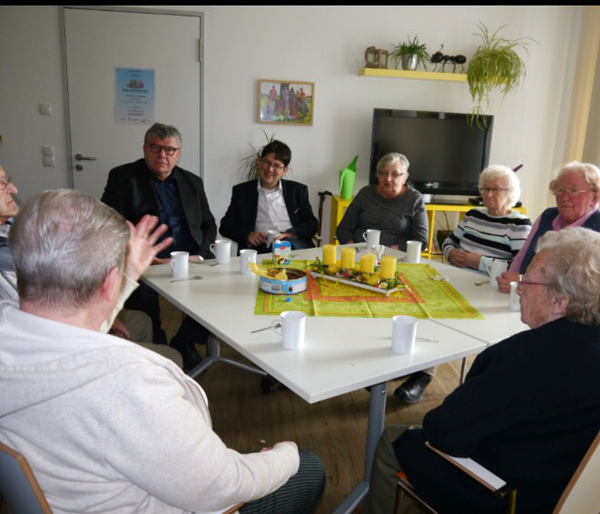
{"x": 335, "y": 429}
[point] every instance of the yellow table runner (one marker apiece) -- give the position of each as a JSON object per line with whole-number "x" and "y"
{"x": 425, "y": 297}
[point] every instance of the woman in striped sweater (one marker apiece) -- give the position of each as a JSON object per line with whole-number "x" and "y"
{"x": 496, "y": 232}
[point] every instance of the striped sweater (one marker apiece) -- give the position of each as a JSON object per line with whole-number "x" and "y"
{"x": 493, "y": 237}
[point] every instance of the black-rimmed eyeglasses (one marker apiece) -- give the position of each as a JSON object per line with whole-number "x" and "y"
{"x": 522, "y": 282}
{"x": 169, "y": 150}
{"x": 274, "y": 165}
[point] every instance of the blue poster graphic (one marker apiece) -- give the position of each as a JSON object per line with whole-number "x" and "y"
{"x": 135, "y": 97}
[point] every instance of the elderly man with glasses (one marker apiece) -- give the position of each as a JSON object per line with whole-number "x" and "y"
{"x": 530, "y": 406}
{"x": 156, "y": 185}
{"x": 270, "y": 204}
{"x": 8, "y": 209}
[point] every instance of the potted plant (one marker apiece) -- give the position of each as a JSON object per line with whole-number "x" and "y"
{"x": 249, "y": 166}
{"x": 411, "y": 53}
{"x": 495, "y": 65}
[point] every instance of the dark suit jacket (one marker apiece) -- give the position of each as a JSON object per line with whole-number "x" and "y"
{"x": 130, "y": 192}
{"x": 240, "y": 219}
{"x": 528, "y": 411}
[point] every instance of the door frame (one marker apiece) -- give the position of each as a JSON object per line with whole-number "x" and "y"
{"x": 63, "y": 45}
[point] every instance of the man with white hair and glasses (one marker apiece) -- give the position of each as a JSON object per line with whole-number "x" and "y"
{"x": 105, "y": 424}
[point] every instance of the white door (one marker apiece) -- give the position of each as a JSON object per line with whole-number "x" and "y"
{"x": 97, "y": 42}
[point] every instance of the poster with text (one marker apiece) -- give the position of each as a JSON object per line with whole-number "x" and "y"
{"x": 135, "y": 98}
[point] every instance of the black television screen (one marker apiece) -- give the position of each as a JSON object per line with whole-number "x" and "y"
{"x": 446, "y": 155}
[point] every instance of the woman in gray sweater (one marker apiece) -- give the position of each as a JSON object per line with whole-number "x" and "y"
{"x": 398, "y": 211}
{"x": 392, "y": 207}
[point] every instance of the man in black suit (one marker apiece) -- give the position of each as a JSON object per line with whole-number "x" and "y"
{"x": 269, "y": 203}
{"x": 156, "y": 185}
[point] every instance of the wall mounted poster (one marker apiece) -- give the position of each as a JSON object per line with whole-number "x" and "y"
{"x": 135, "y": 97}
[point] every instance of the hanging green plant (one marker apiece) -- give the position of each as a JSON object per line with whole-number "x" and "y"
{"x": 495, "y": 65}
{"x": 249, "y": 166}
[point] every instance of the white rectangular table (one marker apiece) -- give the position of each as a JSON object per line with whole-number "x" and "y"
{"x": 340, "y": 354}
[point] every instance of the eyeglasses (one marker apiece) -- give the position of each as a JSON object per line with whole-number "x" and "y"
{"x": 571, "y": 191}
{"x": 169, "y": 150}
{"x": 393, "y": 176}
{"x": 5, "y": 182}
{"x": 492, "y": 190}
{"x": 521, "y": 282}
{"x": 274, "y": 165}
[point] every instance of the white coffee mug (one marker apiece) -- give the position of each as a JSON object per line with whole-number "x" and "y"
{"x": 404, "y": 333}
{"x": 271, "y": 235}
{"x": 290, "y": 327}
{"x": 514, "y": 302}
{"x": 221, "y": 249}
{"x": 495, "y": 269}
{"x": 413, "y": 252}
{"x": 180, "y": 265}
{"x": 371, "y": 236}
{"x": 247, "y": 256}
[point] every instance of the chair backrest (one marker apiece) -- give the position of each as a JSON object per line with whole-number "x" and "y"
{"x": 582, "y": 494}
{"x": 18, "y": 485}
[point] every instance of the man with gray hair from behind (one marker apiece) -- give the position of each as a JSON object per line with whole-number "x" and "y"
{"x": 105, "y": 424}
{"x": 529, "y": 408}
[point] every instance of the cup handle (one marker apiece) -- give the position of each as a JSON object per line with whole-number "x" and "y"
{"x": 365, "y": 235}
{"x": 212, "y": 249}
{"x": 276, "y": 324}
{"x": 172, "y": 264}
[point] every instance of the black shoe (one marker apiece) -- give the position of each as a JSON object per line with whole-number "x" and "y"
{"x": 191, "y": 357}
{"x": 413, "y": 388}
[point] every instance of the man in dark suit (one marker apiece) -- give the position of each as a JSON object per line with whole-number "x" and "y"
{"x": 269, "y": 203}
{"x": 156, "y": 185}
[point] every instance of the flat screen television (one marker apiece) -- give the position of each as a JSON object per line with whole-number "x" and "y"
{"x": 445, "y": 154}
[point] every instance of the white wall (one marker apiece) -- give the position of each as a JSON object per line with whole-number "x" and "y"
{"x": 324, "y": 45}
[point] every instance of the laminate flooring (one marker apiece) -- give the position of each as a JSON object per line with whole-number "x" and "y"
{"x": 335, "y": 429}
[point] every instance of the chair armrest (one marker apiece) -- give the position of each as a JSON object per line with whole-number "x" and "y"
{"x": 485, "y": 477}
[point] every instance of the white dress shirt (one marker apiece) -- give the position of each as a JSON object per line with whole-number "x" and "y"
{"x": 272, "y": 213}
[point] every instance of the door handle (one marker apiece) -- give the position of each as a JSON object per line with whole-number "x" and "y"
{"x": 80, "y": 157}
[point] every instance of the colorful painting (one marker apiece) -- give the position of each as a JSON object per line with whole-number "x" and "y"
{"x": 286, "y": 102}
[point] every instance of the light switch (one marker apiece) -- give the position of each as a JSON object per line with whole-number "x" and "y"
{"x": 48, "y": 151}
{"x": 49, "y": 162}
{"x": 46, "y": 109}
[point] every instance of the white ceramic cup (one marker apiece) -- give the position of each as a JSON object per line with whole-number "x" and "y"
{"x": 404, "y": 333}
{"x": 221, "y": 249}
{"x": 180, "y": 265}
{"x": 247, "y": 256}
{"x": 413, "y": 252}
{"x": 495, "y": 269}
{"x": 290, "y": 328}
{"x": 271, "y": 235}
{"x": 514, "y": 302}
{"x": 371, "y": 236}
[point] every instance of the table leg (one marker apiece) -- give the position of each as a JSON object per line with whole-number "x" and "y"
{"x": 463, "y": 370}
{"x": 374, "y": 430}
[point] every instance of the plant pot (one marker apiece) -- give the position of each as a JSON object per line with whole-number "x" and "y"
{"x": 410, "y": 62}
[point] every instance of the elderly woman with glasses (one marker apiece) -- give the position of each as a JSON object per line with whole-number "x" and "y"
{"x": 496, "y": 232}
{"x": 391, "y": 206}
{"x": 576, "y": 188}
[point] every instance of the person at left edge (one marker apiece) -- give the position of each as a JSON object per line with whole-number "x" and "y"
{"x": 156, "y": 185}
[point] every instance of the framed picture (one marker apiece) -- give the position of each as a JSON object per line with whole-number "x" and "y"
{"x": 286, "y": 102}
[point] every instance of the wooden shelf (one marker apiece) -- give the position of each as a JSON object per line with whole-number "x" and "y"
{"x": 419, "y": 75}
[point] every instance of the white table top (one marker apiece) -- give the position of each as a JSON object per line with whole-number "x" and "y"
{"x": 340, "y": 354}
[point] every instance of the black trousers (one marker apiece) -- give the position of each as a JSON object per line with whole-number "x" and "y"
{"x": 145, "y": 299}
